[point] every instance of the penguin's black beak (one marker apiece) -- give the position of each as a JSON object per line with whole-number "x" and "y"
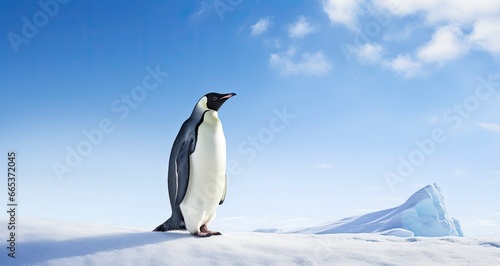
{"x": 227, "y": 96}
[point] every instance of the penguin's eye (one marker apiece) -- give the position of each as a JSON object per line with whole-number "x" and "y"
{"x": 214, "y": 98}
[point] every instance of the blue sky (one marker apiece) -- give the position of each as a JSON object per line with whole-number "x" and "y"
{"x": 333, "y": 98}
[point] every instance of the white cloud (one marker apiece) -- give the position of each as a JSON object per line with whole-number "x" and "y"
{"x": 443, "y": 11}
{"x": 323, "y": 166}
{"x": 343, "y": 11}
{"x": 261, "y": 26}
{"x": 482, "y": 15}
{"x": 404, "y": 8}
{"x": 308, "y": 64}
{"x": 405, "y": 65}
{"x": 447, "y": 43}
{"x": 486, "y": 35}
{"x": 369, "y": 53}
{"x": 300, "y": 28}
{"x": 462, "y": 25}
{"x": 490, "y": 126}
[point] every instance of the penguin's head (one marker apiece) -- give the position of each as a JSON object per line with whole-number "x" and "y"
{"x": 215, "y": 100}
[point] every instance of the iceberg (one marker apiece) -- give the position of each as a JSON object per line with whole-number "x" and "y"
{"x": 423, "y": 214}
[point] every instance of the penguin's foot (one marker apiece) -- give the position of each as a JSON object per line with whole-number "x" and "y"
{"x": 204, "y": 229}
{"x": 203, "y": 234}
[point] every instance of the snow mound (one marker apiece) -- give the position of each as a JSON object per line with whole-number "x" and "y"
{"x": 423, "y": 214}
{"x": 45, "y": 242}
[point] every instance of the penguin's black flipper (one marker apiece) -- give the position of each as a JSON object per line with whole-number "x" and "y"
{"x": 182, "y": 172}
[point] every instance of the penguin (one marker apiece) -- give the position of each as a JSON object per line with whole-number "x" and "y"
{"x": 196, "y": 178}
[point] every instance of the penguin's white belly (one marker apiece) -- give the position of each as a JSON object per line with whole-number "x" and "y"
{"x": 207, "y": 179}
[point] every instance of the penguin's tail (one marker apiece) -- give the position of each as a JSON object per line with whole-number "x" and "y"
{"x": 161, "y": 228}
{"x": 170, "y": 225}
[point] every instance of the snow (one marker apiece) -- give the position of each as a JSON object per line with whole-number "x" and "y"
{"x": 423, "y": 214}
{"x": 46, "y": 242}
{"x": 389, "y": 237}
